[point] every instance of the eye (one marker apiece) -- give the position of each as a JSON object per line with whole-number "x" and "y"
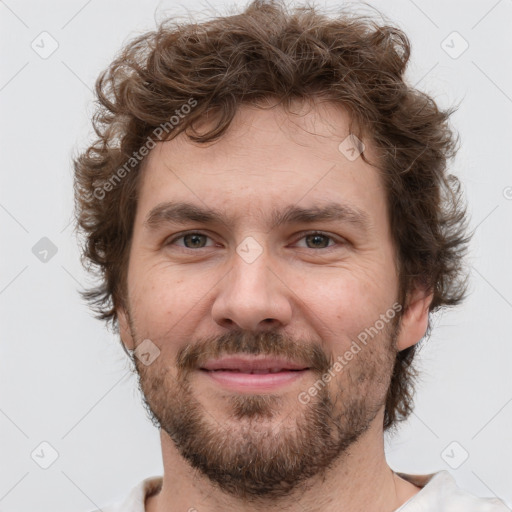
{"x": 196, "y": 240}
{"x": 318, "y": 240}
{"x": 192, "y": 240}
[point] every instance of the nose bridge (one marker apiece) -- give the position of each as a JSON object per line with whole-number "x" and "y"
{"x": 251, "y": 296}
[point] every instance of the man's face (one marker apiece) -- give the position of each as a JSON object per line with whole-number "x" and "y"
{"x": 221, "y": 299}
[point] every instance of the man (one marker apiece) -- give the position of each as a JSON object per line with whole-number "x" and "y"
{"x": 269, "y": 207}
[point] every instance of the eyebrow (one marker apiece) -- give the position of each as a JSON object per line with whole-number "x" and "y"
{"x": 183, "y": 212}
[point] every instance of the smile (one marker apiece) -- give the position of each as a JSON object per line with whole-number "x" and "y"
{"x": 253, "y": 373}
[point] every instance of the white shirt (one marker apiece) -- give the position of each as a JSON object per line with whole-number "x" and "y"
{"x": 439, "y": 493}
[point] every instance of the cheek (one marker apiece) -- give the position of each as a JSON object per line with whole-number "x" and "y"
{"x": 157, "y": 297}
{"x": 342, "y": 307}
{"x": 169, "y": 302}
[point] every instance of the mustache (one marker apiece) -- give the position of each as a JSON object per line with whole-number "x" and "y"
{"x": 268, "y": 343}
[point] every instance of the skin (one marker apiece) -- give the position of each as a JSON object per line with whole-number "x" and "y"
{"x": 181, "y": 297}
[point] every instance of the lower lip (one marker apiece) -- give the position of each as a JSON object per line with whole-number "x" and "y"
{"x": 238, "y": 381}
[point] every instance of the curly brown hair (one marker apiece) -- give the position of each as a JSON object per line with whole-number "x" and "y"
{"x": 269, "y": 50}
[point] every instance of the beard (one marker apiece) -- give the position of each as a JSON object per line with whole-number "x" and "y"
{"x": 255, "y": 453}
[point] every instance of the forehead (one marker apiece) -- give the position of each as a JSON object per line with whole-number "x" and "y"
{"x": 267, "y": 158}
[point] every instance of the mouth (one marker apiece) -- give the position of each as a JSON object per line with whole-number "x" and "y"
{"x": 253, "y": 373}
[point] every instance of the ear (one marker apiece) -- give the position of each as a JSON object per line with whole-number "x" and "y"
{"x": 124, "y": 329}
{"x": 414, "y": 321}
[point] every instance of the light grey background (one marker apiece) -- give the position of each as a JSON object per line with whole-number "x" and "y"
{"x": 65, "y": 381}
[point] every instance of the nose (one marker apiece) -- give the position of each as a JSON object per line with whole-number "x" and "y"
{"x": 252, "y": 297}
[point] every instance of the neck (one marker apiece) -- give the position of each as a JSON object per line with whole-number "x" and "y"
{"x": 360, "y": 480}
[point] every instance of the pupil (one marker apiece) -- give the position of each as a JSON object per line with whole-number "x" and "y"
{"x": 194, "y": 238}
{"x": 317, "y": 237}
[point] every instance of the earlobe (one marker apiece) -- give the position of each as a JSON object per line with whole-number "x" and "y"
{"x": 124, "y": 329}
{"x": 414, "y": 321}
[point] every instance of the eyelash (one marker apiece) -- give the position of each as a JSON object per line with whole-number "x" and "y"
{"x": 302, "y": 235}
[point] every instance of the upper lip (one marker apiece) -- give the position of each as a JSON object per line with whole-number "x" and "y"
{"x": 251, "y": 363}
